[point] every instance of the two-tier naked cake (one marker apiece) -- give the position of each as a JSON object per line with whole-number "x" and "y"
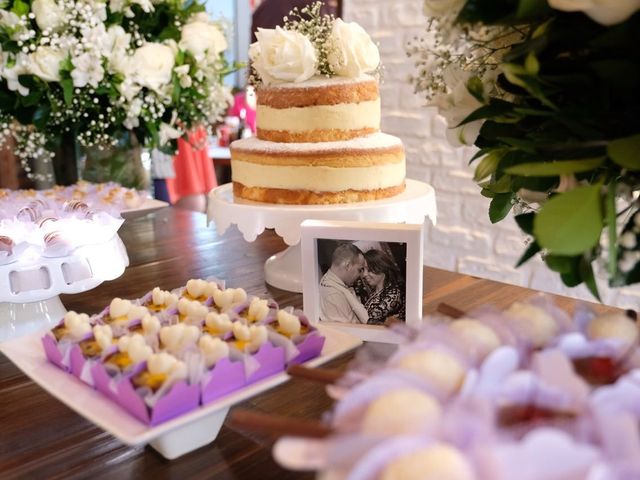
{"x": 318, "y": 138}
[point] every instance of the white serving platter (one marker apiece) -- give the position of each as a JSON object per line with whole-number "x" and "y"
{"x": 172, "y": 438}
{"x": 150, "y": 205}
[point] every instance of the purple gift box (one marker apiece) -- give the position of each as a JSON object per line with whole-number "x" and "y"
{"x": 53, "y": 352}
{"x": 271, "y": 360}
{"x": 225, "y": 377}
{"x": 310, "y": 347}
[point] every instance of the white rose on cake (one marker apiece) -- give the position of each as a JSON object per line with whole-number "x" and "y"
{"x": 154, "y": 64}
{"x": 283, "y": 56}
{"x": 202, "y": 39}
{"x": 352, "y": 52}
{"x": 605, "y": 12}
{"x": 49, "y": 14}
{"x": 45, "y": 63}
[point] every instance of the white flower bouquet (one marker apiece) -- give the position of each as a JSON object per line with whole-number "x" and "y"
{"x": 311, "y": 44}
{"x": 98, "y": 70}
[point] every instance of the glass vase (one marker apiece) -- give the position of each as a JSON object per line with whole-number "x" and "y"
{"x": 120, "y": 163}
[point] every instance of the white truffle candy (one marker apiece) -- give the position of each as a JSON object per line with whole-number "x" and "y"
{"x": 135, "y": 346}
{"x": 476, "y": 336}
{"x": 258, "y": 310}
{"x": 223, "y": 298}
{"x": 533, "y": 323}
{"x": 150, "y": 324}
{"x": 440, "y": 369}
{"x": 613, "y": 326}
{"x": 103, "y": 335}
{"x": 77, "y": 324}
{"x": 137, "y": 312}
{"x": 289, "y": 323}
{"x": 401, "y": 412}
{"x": 213, "y": 349}
{"x": 196, "y": 287}
{"x": 167, "y": 364}
{"x": 119, "y": 308}
{"x": 219, "y": 322}
{"x": 179, "y": 337}
{"x": 162, "y": 297}
{"x": 435, "y": 462}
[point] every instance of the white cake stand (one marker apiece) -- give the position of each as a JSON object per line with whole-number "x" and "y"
{"x": 284, "y": 269}
{"x": 29, "y": 287}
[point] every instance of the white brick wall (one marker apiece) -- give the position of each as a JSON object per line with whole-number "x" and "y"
{"x": 464, "y": 240}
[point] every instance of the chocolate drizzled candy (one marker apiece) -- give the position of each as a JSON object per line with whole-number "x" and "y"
{"x": 6, "y": 244}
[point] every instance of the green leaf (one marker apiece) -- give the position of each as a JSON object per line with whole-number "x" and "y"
{"x": 570, "y": 223}
{"x": 520, "y": 143}
{"x": 496, "y": 108}
{"x": 488, "y": 164}
{"x": 626, "y": 152}
{"x": 586, "y": 273}
{"x": 67, "y": 90}
{"x": 531, "y": 8}
{"x": 20, "y": 8}
{"x": 572, "y": 278}
{"x": 500, "y": 186}
{"x": 525, "y": 222}
{"x": 611, "y": 229}
{"x": 531, "y": 250}
{"x": 500, "y": 206}
{"x": 559, "y": 263}
{"x": 476, "y": 88}
{"x": 555, "y": 167}
{"x": 531, "y": 64}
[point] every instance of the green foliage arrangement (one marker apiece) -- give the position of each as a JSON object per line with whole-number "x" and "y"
{"x": 549, "y": 93}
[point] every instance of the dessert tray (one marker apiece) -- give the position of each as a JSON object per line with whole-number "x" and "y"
{"x": 284, "y": 269}
{"x": 150, "y": 205}
{"x": 172, "y": 438}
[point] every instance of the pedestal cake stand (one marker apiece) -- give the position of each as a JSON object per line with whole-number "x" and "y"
{"x": 284, "y": 269}
{"x": 29, "y": 286}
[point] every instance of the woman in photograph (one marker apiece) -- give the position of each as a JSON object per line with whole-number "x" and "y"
{"x": 386, "y": 300}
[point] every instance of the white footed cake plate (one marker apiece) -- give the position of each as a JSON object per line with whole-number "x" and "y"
{"x": 284, "y": 269}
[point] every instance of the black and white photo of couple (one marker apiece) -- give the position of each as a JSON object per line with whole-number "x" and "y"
{"x": 362, "y": 282}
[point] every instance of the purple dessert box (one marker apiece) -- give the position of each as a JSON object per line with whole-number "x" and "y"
{"x": 52, "y": 351}
{"x": 225, "y": 377}
{"x": 310, "y": 347}
{"x": 180, "y": 398}
{"x": 271, "y": 360}
{"x": 103, "y": 382}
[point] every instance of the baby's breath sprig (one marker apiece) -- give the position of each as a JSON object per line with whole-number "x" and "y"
{"x": 317, "y": 27}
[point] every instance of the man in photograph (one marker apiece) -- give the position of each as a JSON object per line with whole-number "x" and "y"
{"x": 338, "y": 302}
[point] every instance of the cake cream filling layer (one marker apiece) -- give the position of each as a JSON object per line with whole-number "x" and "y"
{"x": 318, "y": 179}
{"x": 344, "y": 116}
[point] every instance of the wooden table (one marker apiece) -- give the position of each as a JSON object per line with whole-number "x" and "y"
{"x": 42, "y": 438}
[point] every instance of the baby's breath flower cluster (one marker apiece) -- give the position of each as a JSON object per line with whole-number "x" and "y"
{"x": 317, "y": 27}
{"x": 475, "y": 49}
{"x": 95, "y": 70}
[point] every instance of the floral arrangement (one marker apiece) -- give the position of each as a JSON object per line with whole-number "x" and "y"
{"x": 548, "y": 92}
{"x": 98, "y": 70}
{"x": 311, "y": 44}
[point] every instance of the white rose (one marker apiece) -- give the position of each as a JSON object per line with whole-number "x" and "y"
{"x": 11, "y": 74}
{"x": 456, "y": 106}
{"x": 352, "y": 52}
{"x": 283, "y": 56}
{"x": 45, "y": 63}
{"x": 49, "y": 14}
{"x": 154, "y": 64}
{"x": 605, "y": 12}
{"x": 438, "y": 8}
{"x": 202, "y": 39}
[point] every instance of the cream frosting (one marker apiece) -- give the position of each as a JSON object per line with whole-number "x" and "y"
{"x": 343, "y": 116}
{"x": 318, "y": 179}
{"x": 213, "y": 349}
{"x": 119, "y": 307}
{"x": 258, "y": 309}
{"x": 103, "y": 335}
{"x": 77, "y": 324}
{"x": 375, "y": 141}
{"x": 179, "y": 337}
{"x": 220, "y": 322}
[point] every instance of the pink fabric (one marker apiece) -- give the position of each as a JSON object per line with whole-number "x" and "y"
{"x": 240, "y": 102}
{"x": 193, "y": 167}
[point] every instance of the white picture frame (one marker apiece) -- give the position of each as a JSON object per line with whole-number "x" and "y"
{"x": 318, "y": 234}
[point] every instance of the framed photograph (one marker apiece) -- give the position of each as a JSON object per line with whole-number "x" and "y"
{"x": 362, "y": 277}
